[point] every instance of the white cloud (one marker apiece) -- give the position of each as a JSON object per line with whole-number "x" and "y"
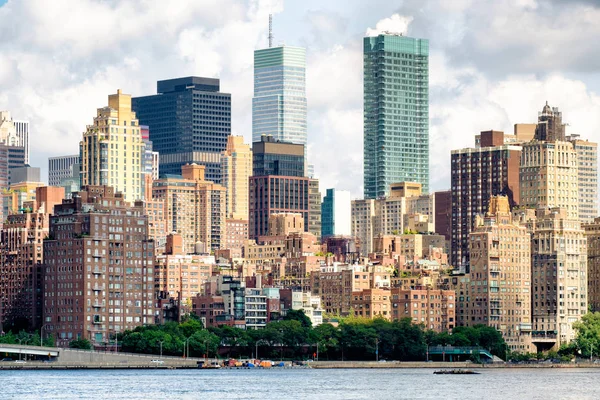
{"x": 492, "y": 64}
{"x": 395, "y": 24}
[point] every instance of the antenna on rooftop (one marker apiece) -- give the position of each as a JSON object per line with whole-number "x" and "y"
{"x": 270, "y": 30}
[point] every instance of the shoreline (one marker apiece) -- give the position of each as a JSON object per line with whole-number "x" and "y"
{"x": 308, "y": 365}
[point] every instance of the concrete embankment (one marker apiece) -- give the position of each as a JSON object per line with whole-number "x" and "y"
{"x": 440, "y": 365}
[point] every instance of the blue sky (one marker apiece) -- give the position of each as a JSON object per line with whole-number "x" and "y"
{"x": 492, "y": 64}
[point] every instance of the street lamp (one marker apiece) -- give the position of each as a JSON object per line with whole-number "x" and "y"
{"x": 161, "y": 342}
{"x": 377, "y": 349}
{"x": 41, "y": 335}
{"x": 19, "y": 340}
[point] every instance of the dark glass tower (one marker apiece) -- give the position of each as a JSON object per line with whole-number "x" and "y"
{"x": 189, "y": 122}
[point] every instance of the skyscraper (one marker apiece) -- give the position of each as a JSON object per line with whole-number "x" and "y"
{"x": 396, "y": 112}
{"x": 279, "y": 102}
{"x": 112, "y": 149}
{"x": 189, "y": 121}
{"x": 587, "y": 171}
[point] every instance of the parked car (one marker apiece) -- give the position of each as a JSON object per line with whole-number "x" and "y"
{"x": 157, "y": 361}
{"x": 7, "y": 359}
{"x": 20, "y": 361}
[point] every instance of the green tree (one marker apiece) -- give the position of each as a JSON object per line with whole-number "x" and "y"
{"x": 83, "y": 344}
{"x": 300, "y": 316}
{"x": 588, "y": 334}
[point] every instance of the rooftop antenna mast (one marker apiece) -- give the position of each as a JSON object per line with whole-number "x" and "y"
{"x": 270, "y": 30}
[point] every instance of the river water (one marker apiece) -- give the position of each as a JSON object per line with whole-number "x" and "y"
{"x": 378, "y": 384}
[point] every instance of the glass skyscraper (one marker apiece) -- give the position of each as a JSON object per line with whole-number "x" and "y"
{"x": 279, "y": 102}
{"x": 396, "y": 113}
{"x": 190, "y": 121}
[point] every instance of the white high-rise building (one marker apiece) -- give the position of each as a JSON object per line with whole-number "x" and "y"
{"x": 22, "y": 128}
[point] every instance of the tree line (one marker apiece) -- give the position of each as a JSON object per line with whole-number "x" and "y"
{"x": 293, "y": 337}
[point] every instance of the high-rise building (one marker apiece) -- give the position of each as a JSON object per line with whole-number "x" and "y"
{"x": 14, "y": 133}
{"x": 477, "y": 174}
{"x": 11, "y": 157}
{"x": 60, "y": 168}
{"x": 587, "y": 171}
{"x": 189, "y": 121}
{"x": 278, "y": 185}
{"x": 236, "y": 164}
{"x": 112, "y": 150}
{"x": 194, "y": 208}
{"x": 98, "y": 268}
{"x": 443, "y": 213}
{"x": 21, "y": 275}
{"x": 336, "y": 213}
{"x": 279, "y": 103}
{"x": 179, "y": 275}
{"x": 549, "y": 173}
{"x": 396, "y": 112}
{"x": 236, "y": 167}
{"x": 391, "y": 215}
{"x": 500, "y": 276}
{"x": 22, "y": 128}
{"x": 592, "y": 233}
{"x": 559, "y": 277}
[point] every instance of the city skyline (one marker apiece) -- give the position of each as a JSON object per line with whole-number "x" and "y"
{"x": 469, "y": 92}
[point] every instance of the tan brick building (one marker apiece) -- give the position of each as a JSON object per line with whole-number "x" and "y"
{"x": 434, "y": 308}
{"x": 194, "y": 207}
{"x": 500, "y": 276}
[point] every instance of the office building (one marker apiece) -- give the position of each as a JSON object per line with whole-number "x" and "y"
{"x": 500, "y": 276}
{"x": 112, "y": 150}
{"x": 477, "y": 174}
{"x": 189, "y": 121}
{"x": 278, "y": 185}
{"x": 98, "y": 268}
{"x": 10, "y": 157}
{"x": 279, "y": 103}
{"x": 336, "y": 213}
{"x": 194, "y": 208}
{"x": 396, "y": 112}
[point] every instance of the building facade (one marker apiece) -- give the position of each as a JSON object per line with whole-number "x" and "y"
{"x": 112, "y": 149}
{"x": 98, "y": 268}
{"x": 279, "y": 104}
{"x": 336, "y": 213}
{"x": 396, "y": 112}
{"x": 559, "y": 277}
{"x": 587, "y": 172}
{"x": 60, "y": 168}
{"x": 592, "y": 233}
{"x": 477, "y": 175}
{"x": 21, "y": 277}
{"x": 189, "y": 121}
{"x": 193, "y": 208}
{"x": 500, "y": 276}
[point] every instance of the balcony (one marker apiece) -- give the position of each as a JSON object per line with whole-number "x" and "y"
{"x": 97, "y": 288}
{"x": 98, "y": 305}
